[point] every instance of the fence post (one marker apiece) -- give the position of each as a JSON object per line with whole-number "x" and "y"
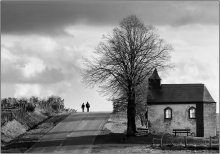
{"x": 161, "y": 142}
{"x": 185, "y": 141}
{"x": 210, "y": 142}
{"x": 153, "y": 142}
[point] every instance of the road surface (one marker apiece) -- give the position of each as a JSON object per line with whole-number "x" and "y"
{"x": 75, "y": 134}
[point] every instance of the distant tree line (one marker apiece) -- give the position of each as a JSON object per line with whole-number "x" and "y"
{"x": 55, "y": 103}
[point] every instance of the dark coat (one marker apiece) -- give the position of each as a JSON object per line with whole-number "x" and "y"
{"x": 87, "y": 105}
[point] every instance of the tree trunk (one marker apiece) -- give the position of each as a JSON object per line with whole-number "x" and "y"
{"x": 146, "y": 118}
{"x": 131, "y": 112}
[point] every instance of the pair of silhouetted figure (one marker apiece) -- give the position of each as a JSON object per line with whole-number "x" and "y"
{"x": 87, "y": 106}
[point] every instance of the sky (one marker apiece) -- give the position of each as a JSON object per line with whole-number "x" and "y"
{"x": 43, "y": 44}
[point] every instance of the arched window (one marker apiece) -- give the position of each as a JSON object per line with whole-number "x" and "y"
{"x": 192, "y": 113}
{"x": 167, "y": 113}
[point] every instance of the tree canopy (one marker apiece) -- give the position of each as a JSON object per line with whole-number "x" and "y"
{"x": 124, "y": 60}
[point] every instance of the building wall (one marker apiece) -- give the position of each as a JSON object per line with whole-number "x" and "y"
{"x": 209, "y": 119}
{"x": 217, "y": 123}
{"x": 180, "y": 118}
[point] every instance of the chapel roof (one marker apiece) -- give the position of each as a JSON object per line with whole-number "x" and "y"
{"x": 180, "y": 93}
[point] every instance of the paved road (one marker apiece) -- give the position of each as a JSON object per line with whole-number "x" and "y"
{"x": 75, "y": 134}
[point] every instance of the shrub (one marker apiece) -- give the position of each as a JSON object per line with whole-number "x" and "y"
{"x": 55, "y": 107}
{"x": 30, "y": 107}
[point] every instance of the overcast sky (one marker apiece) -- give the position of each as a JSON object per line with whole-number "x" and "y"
{"x": 42, "y": 44}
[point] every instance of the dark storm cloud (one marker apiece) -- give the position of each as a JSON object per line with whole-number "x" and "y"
{"x": 49, "y": 17}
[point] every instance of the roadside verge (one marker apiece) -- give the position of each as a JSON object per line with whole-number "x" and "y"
{"x": 23, "y": 142}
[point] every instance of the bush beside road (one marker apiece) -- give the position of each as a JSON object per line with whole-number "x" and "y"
{"x": 21, "y": 116}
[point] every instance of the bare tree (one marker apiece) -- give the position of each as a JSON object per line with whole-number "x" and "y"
{"x": 141, "y": 101}
{"x": 120, "y": 103}
{"x": 124, "y": 59}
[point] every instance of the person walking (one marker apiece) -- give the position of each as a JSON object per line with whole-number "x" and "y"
{"x": 87, "y": 106}
{"x": 83, "y": 106}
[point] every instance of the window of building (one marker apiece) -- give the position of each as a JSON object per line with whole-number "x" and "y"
{"x": 192, "y": 113}
{"x": 167, "y": 113}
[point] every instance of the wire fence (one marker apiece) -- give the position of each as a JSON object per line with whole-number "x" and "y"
{"x": 168, "y": 139}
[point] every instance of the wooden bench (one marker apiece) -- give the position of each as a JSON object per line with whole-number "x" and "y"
{"x": 187, "y": 131}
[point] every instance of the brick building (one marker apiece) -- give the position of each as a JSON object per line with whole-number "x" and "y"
{"x": 180, "y": 106}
